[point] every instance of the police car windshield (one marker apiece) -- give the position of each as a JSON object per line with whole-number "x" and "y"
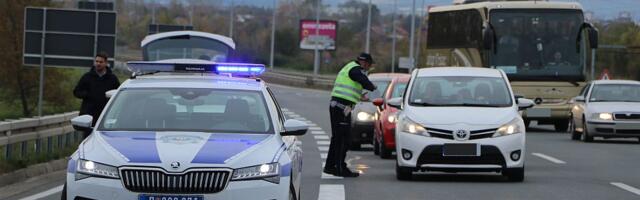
{"x": 188, "y": 109}
{"x": 186, "y": 47}
{"x": 460, "y": 91}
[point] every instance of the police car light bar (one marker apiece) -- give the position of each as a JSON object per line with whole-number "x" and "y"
{"x": 233, "y": 69}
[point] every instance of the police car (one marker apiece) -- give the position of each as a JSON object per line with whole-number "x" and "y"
{"x": 188, "y": 127}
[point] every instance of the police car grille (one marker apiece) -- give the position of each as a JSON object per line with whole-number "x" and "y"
{"x": 156, "y": 181}
{"x": 626, "y": 116}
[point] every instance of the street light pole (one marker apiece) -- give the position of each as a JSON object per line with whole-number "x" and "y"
{"x": 413, "y": 31}
{"x": 393, "y": 44}
{"x": 419, "y": 33}
{"x": 231, "y": 16}
{"x": 316, "y": 53}
{"x": 367, "y": 45}
{"x": 273, "y": 32}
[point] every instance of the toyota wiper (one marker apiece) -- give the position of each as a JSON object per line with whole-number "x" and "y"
{"x": 478, "y": 105}
{"x": 427, "y": 104}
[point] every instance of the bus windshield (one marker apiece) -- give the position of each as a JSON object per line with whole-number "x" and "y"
{"x": 538, "y": 45}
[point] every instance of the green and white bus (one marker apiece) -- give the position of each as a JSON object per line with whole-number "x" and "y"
{"x": 543, "y": 47}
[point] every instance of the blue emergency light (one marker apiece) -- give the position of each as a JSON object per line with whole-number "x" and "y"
{"x": 233, "y": 69}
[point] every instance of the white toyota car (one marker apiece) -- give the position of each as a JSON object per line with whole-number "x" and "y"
{"x": 460, "y": 119}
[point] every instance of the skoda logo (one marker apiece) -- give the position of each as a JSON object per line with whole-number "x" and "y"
{"x": 461, "y": 135}
{"x": 628, "y": 114}
{"x": 175, "y": 165}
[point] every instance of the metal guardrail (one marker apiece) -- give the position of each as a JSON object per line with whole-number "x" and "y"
{"x": 37, "y": 136}
{"x": 298, "y": 79}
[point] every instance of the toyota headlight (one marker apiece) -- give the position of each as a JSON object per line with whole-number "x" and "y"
{"x": 269, "y": 172}
{"x": 364, "y": 116}
{"x": 603, "y": 116}
{"x": 510, "y": 128}
{"x": 409, "y": 126}
{"x": 93, "y": 169}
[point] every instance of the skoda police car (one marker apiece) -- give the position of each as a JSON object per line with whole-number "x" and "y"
{"x": 187, "y": 126}
{"x": 460, "y": 119}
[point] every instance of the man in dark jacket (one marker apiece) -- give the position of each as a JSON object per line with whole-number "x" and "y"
{"x": 93, "y": 85}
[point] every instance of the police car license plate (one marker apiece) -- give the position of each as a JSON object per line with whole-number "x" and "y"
{"x": 169, "y": 197}
{"x": 461, "y": 150}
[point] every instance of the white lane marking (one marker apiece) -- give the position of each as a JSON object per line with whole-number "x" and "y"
{"x": 322, "y": 142}
{"x": 323, "y": 156}
{"x": 302, "y": 119}
{"x": 331, "y": 192}
{"x": 315, "y": 128}
{"x": 323, "y": 148}
{"x": 284, "y": 110}
{"x": 295, "y": 116}
{"x": 627, "y": 187}
{"x": 321, "y": 137}
{"x": 549, "y": 158}
{"x": 311, "y": 124}
{"x": 318, "y": 132}
{"x": 45, "y": 193}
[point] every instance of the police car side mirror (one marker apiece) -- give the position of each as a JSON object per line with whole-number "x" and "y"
{"x": 294, "y": 127}
{"x": 110, "y": 93}
{"x": 82, "y": 123}
{"x": 395, "y": 102}
{"x": 524, "y": 104}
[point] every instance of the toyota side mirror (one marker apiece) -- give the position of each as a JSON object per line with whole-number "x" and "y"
{"x": 524, "y": 104}
{"x": 378, "y": 102}
{"x": 294, "y": 127}
{"x": 82, "y": 123}
{"x": 395, "y": 102}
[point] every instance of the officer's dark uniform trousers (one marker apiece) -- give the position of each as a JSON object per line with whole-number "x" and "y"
{"x": 341, "y": 135}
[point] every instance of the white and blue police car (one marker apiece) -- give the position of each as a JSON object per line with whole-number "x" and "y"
{"x": 188, "y": 127}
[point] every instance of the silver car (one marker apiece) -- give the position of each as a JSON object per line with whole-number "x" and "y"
{"x": 608, "y": 109}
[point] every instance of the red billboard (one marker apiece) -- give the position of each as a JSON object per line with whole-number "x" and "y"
{"x": 324, "y": 40}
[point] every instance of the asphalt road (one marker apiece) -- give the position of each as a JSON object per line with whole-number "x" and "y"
{"x": 556, "y": 167}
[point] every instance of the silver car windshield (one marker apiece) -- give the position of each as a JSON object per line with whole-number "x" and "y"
{"x": 460, "y": 91}
{"x": 188, "y": 109}
{"x": 615, "y": 93}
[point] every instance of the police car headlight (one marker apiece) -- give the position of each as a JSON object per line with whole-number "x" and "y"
{"x": 93, "y": 169}
{"x": 364, "y": 116}
{"x": 269, "y": 172}
{"x": 509, "y": 128}
{"x": 409, "y": 126}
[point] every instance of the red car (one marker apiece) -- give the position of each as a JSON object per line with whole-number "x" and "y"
{"x": 384, "y": 131}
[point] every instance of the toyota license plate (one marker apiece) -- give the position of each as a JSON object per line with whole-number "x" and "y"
{"x": 461, "y": 150}
{"x": 169, "y": 197}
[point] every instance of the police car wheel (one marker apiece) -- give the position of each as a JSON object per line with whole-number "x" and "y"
{"x": 292, "y": 193}
{"x": 63, "y": 195}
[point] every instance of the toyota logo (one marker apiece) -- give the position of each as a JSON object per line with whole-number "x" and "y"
{"x": 175, "y": 165}
{"x": 461, "y": 135}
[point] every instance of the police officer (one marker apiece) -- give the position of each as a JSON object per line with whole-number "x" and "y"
{"x": 93, "y": 85}
{"x": 347, "y": 91}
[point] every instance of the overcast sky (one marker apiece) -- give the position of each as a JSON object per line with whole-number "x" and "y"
{"x": 604, "y": 9}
